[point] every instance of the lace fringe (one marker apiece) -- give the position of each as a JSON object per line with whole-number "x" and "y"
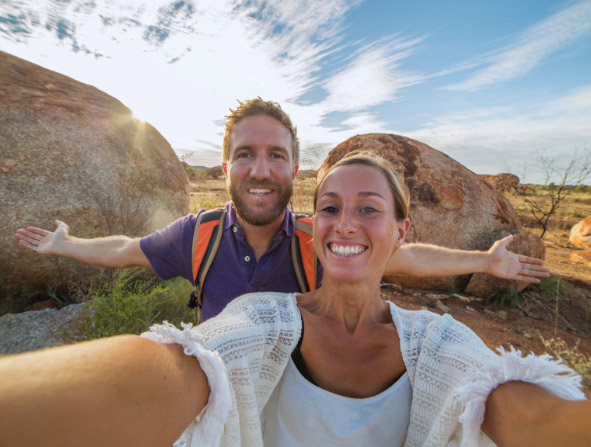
{"x": 210, "y": 428}
{"x": 543, "y": 370}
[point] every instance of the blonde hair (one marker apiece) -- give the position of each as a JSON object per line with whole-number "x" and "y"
{"x": 254, "y": 107}
{"x": 398, "y": 188}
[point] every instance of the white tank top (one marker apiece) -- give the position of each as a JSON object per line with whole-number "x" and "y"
{"x": 301, "y": 414}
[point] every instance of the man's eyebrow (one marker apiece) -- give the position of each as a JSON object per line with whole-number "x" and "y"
{"x": 280, "y": 149}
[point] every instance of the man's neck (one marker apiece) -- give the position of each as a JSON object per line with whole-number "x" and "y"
{"x": 260, "y": 237}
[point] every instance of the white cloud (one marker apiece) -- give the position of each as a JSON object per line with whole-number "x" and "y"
{"x": 579, "y": 99}
{"x": 373, "y": 76}
{"x": 534, "y": 45}
{"x": 494, "y": 140}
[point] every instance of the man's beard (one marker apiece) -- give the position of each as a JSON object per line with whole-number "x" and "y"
{"x": 263, "y": 217}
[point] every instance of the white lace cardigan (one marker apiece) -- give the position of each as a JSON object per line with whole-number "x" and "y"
{"x": 245, "y": 350}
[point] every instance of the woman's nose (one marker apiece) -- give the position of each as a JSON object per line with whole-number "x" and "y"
{"x": 346, "y": 223}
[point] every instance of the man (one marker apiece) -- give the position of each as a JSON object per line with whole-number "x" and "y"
{"x": 260, "y": 160}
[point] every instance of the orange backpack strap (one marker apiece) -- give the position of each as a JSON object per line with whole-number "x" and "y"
{"x": 206, "y": 240}
{"x": 302, "y": 253}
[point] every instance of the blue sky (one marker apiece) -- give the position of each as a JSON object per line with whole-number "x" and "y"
{"x": 493, "y": 84}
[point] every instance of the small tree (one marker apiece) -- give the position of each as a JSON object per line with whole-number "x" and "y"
{"x": 215, "y": 172}
{"x": 567, "y": 177}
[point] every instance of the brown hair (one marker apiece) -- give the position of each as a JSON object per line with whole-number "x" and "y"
{"x": 254, "y": 107}
{"x": 398, "y": 187}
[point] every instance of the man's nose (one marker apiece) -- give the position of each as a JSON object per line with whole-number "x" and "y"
{"x": 260, "y": 168}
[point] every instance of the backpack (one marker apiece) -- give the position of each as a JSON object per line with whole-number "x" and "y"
{"x": 206, "y": 241}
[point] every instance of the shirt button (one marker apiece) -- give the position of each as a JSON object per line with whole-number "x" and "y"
{"x": 247, "y": 258}
{"x": 234, "y": 229}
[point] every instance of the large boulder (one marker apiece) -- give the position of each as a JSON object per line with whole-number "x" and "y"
{"x": 450, "y": 206}
{"x": 71, "y": 152}
{"x": 580, "y": 234}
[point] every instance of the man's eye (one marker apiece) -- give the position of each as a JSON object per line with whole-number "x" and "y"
{"x": 330, "y": 210}
{"x": 278, "y": 156}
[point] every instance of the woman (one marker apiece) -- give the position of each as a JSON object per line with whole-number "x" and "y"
{"x": 336, "y": 366}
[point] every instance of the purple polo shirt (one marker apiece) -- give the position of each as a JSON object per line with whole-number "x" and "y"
{"x": 234, "y": 270}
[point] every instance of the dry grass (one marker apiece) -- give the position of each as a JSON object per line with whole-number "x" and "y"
{"x": 575, "y": 207}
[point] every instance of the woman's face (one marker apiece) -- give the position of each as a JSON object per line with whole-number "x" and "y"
{"x": 355, "y": 231}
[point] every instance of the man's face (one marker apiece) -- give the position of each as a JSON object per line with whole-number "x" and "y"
{"x": 260, "y": 169}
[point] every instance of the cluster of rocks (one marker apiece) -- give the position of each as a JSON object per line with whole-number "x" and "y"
{"x": 28, "y": 331}
{"x": 580, "y": 236}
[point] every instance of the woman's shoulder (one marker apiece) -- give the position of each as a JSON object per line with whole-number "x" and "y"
{"x": 422, "y": 331}
{"x": 263, "y": 303}
{"x": 423, "y": 321}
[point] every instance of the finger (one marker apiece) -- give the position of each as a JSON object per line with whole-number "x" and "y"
{"x": 527, "y": 279}
{"x": 29, "y": 238}
{"x": 505, "y": 241}
{"x": 535, "y": 272}
{"x": 528, "y": 260}
{"x": 39, "y": 231}
{"x": 28, "y": 244}
{"x": 534, "y": 267}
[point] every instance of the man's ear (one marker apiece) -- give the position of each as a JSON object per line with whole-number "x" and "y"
{"x": 225, "y": 169}
{"x": 295, "y": 171}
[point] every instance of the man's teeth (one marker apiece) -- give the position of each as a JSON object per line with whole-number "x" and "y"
{"x": 259, "y": 191}
{"x": 346, "y": 250}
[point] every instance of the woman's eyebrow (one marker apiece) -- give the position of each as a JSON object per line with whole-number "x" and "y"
{"x": 329, "y": 194}
{"x": 370, "y": 193}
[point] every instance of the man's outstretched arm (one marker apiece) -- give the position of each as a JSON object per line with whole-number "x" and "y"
{"x": 112, "y": 252}
{"x": 422, "y": 260}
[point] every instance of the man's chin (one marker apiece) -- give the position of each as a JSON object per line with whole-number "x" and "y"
{"x": 260, "y": 218}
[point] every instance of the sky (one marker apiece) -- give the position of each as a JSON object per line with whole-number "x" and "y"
{"x": 494, "y": 84}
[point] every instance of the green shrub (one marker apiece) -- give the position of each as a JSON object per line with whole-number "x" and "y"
{"x": 508, "y": 297}
{"x": 550, "y": 287}
{"x": 130, "y": 306}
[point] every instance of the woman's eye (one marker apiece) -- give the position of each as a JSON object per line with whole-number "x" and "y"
{"x": 329, "y": 209}
{"x": 368, "y": 209}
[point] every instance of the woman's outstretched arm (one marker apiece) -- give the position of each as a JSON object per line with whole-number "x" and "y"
{"x": 117, "y": 391}
{"x": 523, "y": 414}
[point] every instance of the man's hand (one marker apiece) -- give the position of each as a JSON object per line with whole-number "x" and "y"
{"x": 112, "y": 252}
{"x": 43, "y": 241}
{"x": 508, "y": 265}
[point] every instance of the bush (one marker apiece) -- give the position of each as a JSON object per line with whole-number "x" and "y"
{"x": 130, "y": 306}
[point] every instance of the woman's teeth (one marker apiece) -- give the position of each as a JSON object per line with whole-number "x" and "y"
{"x": 346, "y": 250}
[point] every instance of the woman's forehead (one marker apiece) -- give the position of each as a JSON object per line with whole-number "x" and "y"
{"x": 355, "y": 179}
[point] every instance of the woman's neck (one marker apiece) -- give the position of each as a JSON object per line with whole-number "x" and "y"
{"x": 353, "y": 305}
